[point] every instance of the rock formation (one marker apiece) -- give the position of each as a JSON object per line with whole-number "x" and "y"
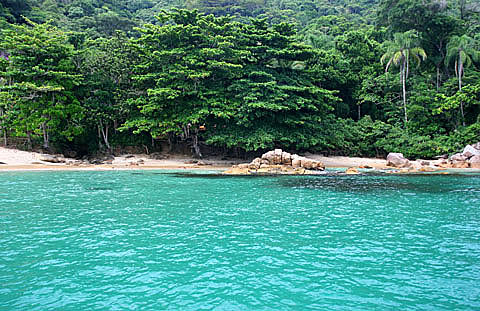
{"x": 470, "y": 157}
{"x": 278, "y": 162}
{"x": 397, "y": 160}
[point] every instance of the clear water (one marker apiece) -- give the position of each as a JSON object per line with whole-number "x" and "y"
{"x": 143, "y": 240}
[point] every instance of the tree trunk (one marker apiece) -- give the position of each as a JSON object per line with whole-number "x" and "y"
{"x": 438, "y": 77}
{"x": 460, "y": 74}
{"x": 100, "y": 145}
{"x": 4, "y": 128}
{"x": 404, "y": 92}
{"x": 359, "y": 112}
{"x": 29, "y": 140}
{"x": 104, "y": 132}
{"x": 46, "y": 136}
{"x": 196, "y": 147}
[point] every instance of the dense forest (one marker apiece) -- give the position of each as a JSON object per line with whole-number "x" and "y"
{"x": 358, "y": 78}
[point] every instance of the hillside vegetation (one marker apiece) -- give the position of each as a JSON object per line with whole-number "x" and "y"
{"x": 358, "y": 78}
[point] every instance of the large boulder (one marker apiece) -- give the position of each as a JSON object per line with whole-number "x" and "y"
{"x": 277, "y": 156}
{"x": 474, "y": 161}
{"x": 458, "y": 157}
{"x": 460, "y": 164}
{"x": 470, "y": 151}
{"x": 296, "y": 161}
{"x": 286, "y": 158}
{"x": 269, "y": 156}
{"x": 51, "y": 158}
{"x": 397, "y": 160}
{"x": 476, "y": 146}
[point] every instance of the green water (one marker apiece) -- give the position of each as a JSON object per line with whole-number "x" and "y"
{"x": 144, "y": 240}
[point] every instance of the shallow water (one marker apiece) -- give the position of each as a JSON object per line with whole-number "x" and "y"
{"x": 144, "y": 240}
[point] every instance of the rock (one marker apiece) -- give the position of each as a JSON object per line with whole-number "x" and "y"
{"x": 476, "y": 146}
{"x": 269, "y": 156}
{"x": 397, "y": 160}
{"x": 458, "y": 157}
{"x": 460, "y": 164}
{"x": 296, "y": 162}
{"x": 445, "y": 165}
{"x": 255, "y": 163}
{"x": 470, "y": 151}
{"x": 277, "y": 156}
{"x": 237, "y": 171}
{"x": 50, "y": 158}
{"x": 352, "y": 171}
{"x": 415, "y": 165}
{"x": 474, "y": 162}
{"x": 286, "y": 158}
{"x": 320, "y": 166}
{"x": 423, "y": 162}
{"x": 278, "y": 162}
{"x": 307, "y": 163}
{"x": 365, "y": 166}
{"x": 443, "y": 156}
{"x": 427, "y": 169}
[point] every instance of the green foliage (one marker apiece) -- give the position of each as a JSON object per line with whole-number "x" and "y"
{"x": 296, "y": 74}
{"x": 39, "y": 81}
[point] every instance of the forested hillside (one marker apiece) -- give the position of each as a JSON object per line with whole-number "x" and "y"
{"x": 362, "y": 77}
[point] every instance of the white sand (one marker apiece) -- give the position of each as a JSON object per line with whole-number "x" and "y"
{"x": 15, "y": 159}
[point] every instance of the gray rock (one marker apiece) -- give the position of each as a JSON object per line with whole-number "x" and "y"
{"x": 397, "y": 160}
{"x": 286, "y": 158}
{"x": 474, "y": 161}
{"x": 50, "y": 158}
{"x": 458, "y": 157}
{"x": 269, "y": 156}
{"x": 470, "y": 151}
{"x": 277, "y": 156}
{"x": 296, "y": 161}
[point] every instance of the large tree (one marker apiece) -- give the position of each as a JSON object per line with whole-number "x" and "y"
{"x": 461, "y": 49}
{"x": 399, "y": 51}
{"x": 41, "y": 81}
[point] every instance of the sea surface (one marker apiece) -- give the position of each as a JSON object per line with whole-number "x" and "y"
{"x": 167, "y": 240}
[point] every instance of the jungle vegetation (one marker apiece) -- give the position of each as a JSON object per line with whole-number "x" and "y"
{"x": 358, "y": 78}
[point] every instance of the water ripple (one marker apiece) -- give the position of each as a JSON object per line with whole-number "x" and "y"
{"x": 150, "y": 241}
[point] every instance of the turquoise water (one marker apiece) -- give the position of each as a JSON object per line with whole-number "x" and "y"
{"x": 144, "y": 240}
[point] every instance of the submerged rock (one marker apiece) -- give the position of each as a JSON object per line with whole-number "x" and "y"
{"x": 352, "y": 171}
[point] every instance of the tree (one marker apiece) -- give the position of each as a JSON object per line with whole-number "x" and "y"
{"x": 398, "y": 52}
{"x": 187, "y": 63}
{"x": 107, "y": 83}
{"x": 41, "y": 81}
{"x": 461, "y": 49}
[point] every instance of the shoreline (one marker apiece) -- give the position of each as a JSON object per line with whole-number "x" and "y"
{"x": 13, "y": 160}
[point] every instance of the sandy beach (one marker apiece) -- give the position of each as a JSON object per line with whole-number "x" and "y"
{"x": 13, "y": 159}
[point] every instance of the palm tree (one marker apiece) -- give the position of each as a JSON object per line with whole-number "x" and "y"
{"x": 399, "y": 51}
{"x": 462, "y": 49}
